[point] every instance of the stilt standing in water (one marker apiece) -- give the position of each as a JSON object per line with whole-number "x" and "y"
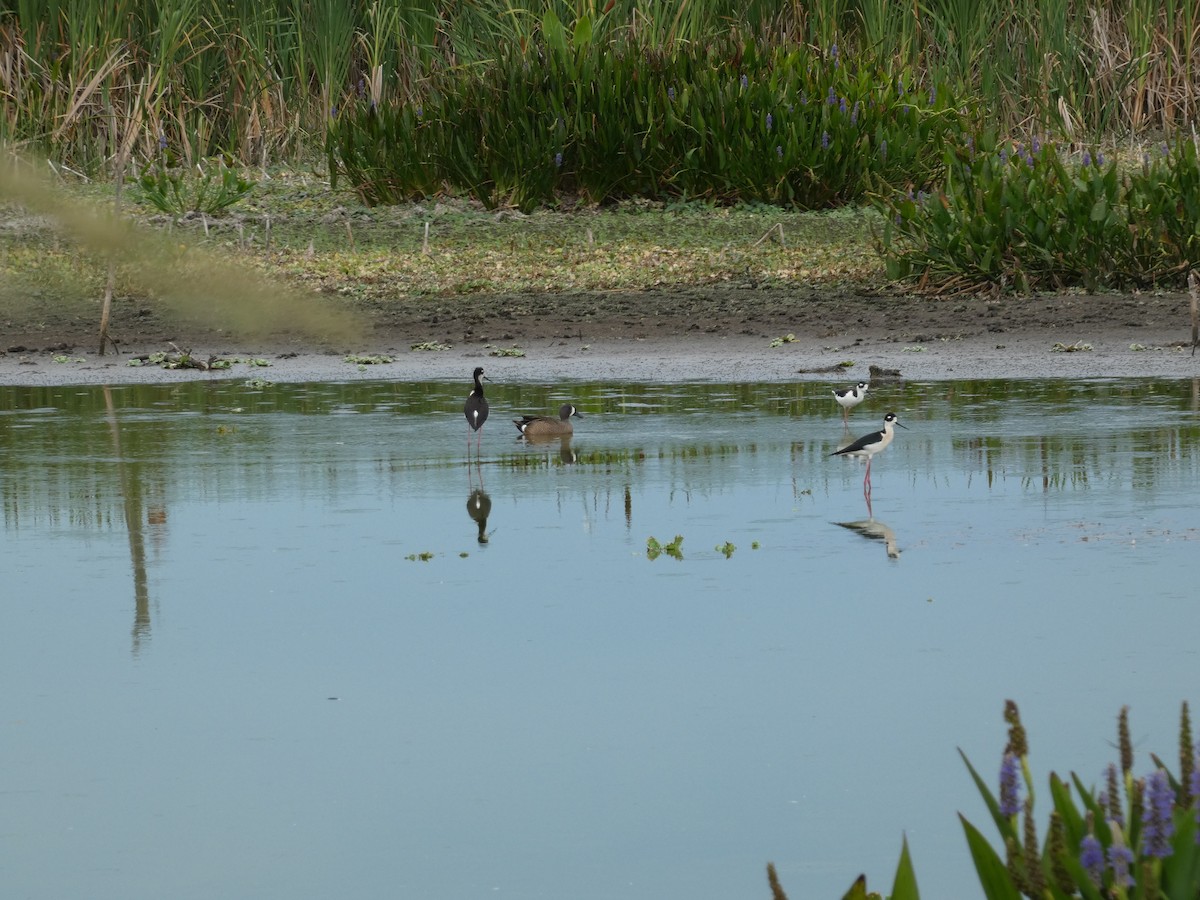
{"x": 848, "y": 398}
{"x": 476, "y": 411}
{"x": 870, "y": 444}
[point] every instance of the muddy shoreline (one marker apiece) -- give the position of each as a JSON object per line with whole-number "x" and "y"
{"x": 721, "y": 333}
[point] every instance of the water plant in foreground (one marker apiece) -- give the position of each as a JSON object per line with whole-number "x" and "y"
{"x": 1133, "y": 838}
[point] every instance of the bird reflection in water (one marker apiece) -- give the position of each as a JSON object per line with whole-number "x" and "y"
{"x": 874, "y": 530}
{"x": 566, "y": 452}
{"x": 479, "y": 507}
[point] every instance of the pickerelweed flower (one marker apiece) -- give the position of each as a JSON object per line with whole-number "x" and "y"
{"x": 883, "y": 149}
{"x": 854, "y": 112}
{"x": 824, "y": 140}
{"x": 671, "y": 94}
{"x": 932, "y": 95}
{"x": 1120, "y": 858}
{"x": 162, "y": 141}
{"x": 558, "y": 160}
{"x": 1091, "y": 857}
{"x": 1157, "y": 825}
{"x": 900, "y": 86}
{"x": 1003, "y": 155}
{"x": 779, "y": 151}
{"x": 842, "y": 106}
{"x": 770, "y": 121}
{"x": 1087, "y": 159}
{"x": 1099, "y": 159}
{"x": 745, "y": 82}
{"x": 831, "y": 99}
{"x": 1010, "y": 787}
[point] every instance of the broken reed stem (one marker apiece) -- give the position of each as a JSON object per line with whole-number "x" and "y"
{"x": 1194, "y": 293}
{"x": 425, "y": 242}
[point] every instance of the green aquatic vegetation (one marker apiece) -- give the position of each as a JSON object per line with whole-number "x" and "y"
{"x": 61, "y": 358}
{"x": 361, "y": 359}
{"x": 654, "y": 549}
{"x": 423, "y": 556}
{"x": 726, "y": 548}
{"x": 432, "y": 346}
{"x": 785, "y": 339}
{"x": 513, "y": 351}
{"x": 1133, "y": 838}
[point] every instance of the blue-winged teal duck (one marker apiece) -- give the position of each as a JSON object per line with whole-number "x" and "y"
{"x": 546, "y": 426}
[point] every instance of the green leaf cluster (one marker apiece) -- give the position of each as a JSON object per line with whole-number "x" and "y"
{"x": 1037, "y": 218}
{"x": 177, "y": 189}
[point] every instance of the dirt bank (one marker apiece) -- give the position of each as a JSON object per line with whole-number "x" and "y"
{"x": 721, "y": 333}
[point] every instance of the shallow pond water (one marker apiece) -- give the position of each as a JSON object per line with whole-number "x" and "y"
{"x": 284, "y": 642}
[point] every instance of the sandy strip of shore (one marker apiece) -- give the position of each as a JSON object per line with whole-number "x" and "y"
{"x": 1113, "y": 353}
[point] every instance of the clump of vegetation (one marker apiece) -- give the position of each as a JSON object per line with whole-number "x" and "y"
{"x": 604, "y": 119}
{"x": 211, "y": 187}
{"x": 1134, "y": 838}
{"x": 430, "y": 346}
{"x": 513, "y": 351}
{"x": 1031, "y": 217}
{"x": 369, "y": 359}
{"x": 655, "y": 549}
{"x": 726, "y": 548}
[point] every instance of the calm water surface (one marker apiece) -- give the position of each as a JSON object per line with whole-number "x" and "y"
{"x": 261, "y": 642}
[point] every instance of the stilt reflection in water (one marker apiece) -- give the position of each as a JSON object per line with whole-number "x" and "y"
{"x": 874, "y": 530}
{"x": 479, "y": 507}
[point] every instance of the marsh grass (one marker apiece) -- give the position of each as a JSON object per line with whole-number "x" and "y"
{"x": 261, "y": 78}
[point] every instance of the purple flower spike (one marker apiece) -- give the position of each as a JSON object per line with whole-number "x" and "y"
{"x": 842, "y": 106}
{"x": 779, "y": 152}
{"x": 831, "y": 98}
{"x": 933, "y": 95}
{"x": 1099, "y": 158}
{"x": 1003, "y": 156}
{"x": 1087, "y": 159}
{"x": 1091, "y": 857}
{"x": 1036, "y": 145}
{"x": 558, "y": 160}
{"x": 1120, "y": 858}
{"x": 162, "y": 141}
{"x": 883, "y": 149}
{"x": 824, "y": 140}
{"x": 770, "y": 121}
{"x": 1010, "y": 787}
{"x": 854, "y": 112}
{"x": 745, "y": 82}
{"x": 833, "y": 51}
{"x": 1157, "y": 825}
{"x": 671, "y": 94}
{"x": 900, "y": 86}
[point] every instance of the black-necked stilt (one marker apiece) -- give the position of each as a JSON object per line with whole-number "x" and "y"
{"x": 476, "y": 409}
{"x": 870, "y": 444}
{"x": 848, "y": 398}
{"x": 546, "y": 426}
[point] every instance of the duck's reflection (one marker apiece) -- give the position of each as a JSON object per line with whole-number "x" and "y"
{"x": 874, "y": 530}
{"x": 566, "y": 453}
{"x": 479, "y": 507}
